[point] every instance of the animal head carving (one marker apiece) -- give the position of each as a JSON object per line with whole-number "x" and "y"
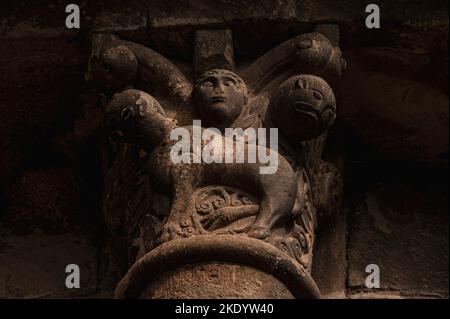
{"x": 303, "y": 107}
{"x": 112, "y": 66}
{"x": 136, "y": 117}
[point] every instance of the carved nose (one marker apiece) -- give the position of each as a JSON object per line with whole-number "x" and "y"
{"x": 302, "y": 83}
{"x": 219, "y": 89}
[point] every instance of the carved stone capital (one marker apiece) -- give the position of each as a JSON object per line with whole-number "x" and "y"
{"x": 185, "y": 223}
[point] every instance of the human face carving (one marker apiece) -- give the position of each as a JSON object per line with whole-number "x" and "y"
{"x": 220, "y": 99}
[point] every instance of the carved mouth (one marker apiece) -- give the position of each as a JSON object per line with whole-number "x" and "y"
{"x": 305, "y": 108}
{"x": 217, "y": 99}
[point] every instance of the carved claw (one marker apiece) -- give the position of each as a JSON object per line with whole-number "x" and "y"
{"x": 218, "y": 219}
{"x": 227, "y": 215}
{"x": 259, "y": 232}
{"x": 168, "y": 233}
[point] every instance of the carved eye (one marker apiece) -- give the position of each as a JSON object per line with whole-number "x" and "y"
{"x": 207, "y": 84}
{"x": 317, "y": 95}
{"x": 229, "y": 83}
{"x": 127, "y": 113}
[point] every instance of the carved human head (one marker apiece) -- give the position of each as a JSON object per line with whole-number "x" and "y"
{"x": 220, "y": 96}
{"x": 303, "y": 107}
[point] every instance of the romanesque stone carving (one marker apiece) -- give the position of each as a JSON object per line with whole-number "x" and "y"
{"x": 168, "y": 215}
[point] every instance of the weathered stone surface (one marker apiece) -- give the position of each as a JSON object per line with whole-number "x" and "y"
{"x": 216, "y": 281}
{"x": 209, "y": 199}
{"x": 259, "y": 26}
{"x": 19, "y": 18}
{"x": 389, "y": 107}
{"x": 391, "y": 11}
{"x": 47, "y": 199}
{"x": 213, "y": 49}
{"x": 222, "y": 253}
{"x": 33, "y": 266}
{"x": 396, "y": 295}
{"x": 400, "y": 223}
{"x": 411, "y": 51}
{"x": 199, "y": 12}
{"x": 171, "y": 26}
{"x": 330, "y": 265}
{"x": 41, "y": 80}
{"x": 11, "y": 158}
{"x": 330, "y": 31}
